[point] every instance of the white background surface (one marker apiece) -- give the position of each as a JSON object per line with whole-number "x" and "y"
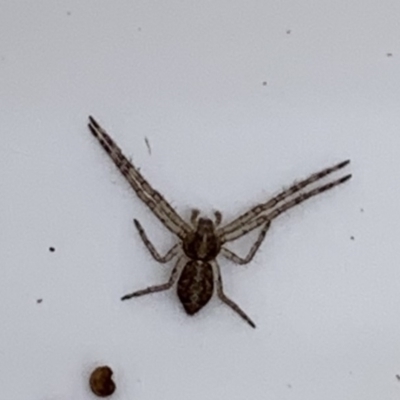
{"x": 188, "y": 76}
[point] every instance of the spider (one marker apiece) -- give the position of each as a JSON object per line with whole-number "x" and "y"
{"x": 201, "y": 240}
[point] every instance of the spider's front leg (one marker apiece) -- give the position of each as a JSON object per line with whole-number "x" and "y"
{"x": 161, "y": 259}
{"x": 230, "y": 255}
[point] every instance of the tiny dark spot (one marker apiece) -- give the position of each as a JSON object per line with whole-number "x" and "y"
{"x": 352, "y": 237}
{"x": 68, "y": 13}
{"x": 38, "y": 301}
{"x": 361, "y": 210}
{"x": 139, "y": 29}
{"x": 147, "y": 144}
{"x": 389, "y": 54}
{"x": 289, "y": 385}
{"x": 289, "y": 31}
{"x": 398, "y": 377}
{"x": 52, "y": 249}
{"x": 101, "y": 383}
{"x": 265, "y": 83}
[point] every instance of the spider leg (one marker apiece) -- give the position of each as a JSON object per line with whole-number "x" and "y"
{"x": 255, "y": 223}
{"x": 160, "y": 207}
{"x": 230, "y": 255}
{"x": 225, "y": 299}
{"x": 161, "y": 259}
{"x": 257, "y": 210}
{"x": 159, "y": 288}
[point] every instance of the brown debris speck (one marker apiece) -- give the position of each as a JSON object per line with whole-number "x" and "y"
{"x": 101, "y": 383}
{"x": 52, "y": 249}
{"x": 38, "y": 301}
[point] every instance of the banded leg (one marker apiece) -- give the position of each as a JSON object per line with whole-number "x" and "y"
{"x": 156, "y": 255}
{"x": 257, "y": 210}
{"x": 153, "y": 199}
{"x": 225, "y": 299}
{"x": 230, "y": 255}
{"x": 159, "y": 288}
{"x": 255, "y": 223}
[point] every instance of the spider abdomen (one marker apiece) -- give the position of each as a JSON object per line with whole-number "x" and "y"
{"x": 195, "y": 286}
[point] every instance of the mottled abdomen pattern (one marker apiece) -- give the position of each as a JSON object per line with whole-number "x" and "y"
{"x": 195, "y": 286}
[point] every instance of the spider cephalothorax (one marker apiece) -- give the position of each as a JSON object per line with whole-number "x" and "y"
{"x": 203, "y": 243}
{"x": 196, "y": 270}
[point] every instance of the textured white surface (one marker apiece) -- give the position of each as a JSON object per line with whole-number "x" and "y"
{"x": 189, "y": 77}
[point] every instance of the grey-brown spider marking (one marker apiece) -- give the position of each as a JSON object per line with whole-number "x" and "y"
{"x": 196, "y": 270}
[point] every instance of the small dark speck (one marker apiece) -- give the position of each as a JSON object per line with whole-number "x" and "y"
{"x": 352, "y": 237}
{"x": 265, "y": 83}
{"x": 139, "y": 29}
{"x": 361, "y": 210}
{"x": 289, "y": 31}
{"x": 389, "y": 54}
{"x": 289, "y": 385}
{"x": 38, "y": 301}
{"x": 52, "y": 249}
{"x": 398, "y": 377}
{"x": 147, "y": 144}
{"x": 68, "y": 13}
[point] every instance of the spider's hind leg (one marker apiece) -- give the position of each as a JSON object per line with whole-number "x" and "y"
{"x": 158, "y": 288}
{"x": 225, "y": 299}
